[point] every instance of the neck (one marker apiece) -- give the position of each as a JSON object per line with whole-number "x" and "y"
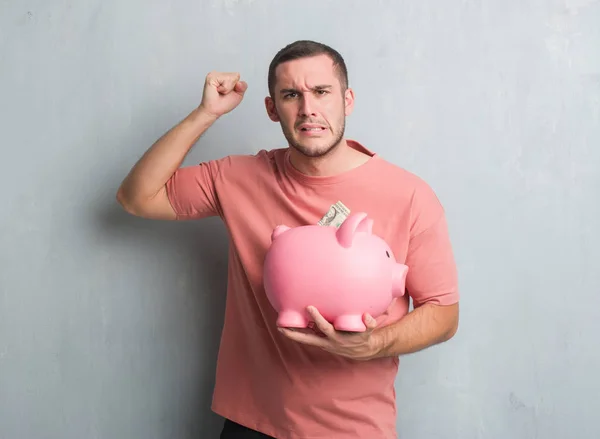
{"x": 340, "y": 159}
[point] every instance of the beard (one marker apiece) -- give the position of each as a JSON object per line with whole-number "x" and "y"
{"x": 315, "y": 151}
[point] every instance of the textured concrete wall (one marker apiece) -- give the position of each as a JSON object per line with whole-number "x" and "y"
{"x": 109, "y": 325}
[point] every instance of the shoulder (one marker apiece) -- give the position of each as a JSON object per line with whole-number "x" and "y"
{"x": 402, "y": 180}
{"x": 242, "y": 165}
{"x": 263, "y": 157}
{"x": 413, "y": 191}
{"x": 381, "y": 171}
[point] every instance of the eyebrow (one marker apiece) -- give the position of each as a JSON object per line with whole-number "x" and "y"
{"x": 315, "y": 88}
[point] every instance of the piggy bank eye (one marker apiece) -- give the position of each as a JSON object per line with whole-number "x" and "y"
{"x": 387, "y": 253}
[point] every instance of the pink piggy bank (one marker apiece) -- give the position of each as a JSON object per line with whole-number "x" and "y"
{"x": 344, "y": 272}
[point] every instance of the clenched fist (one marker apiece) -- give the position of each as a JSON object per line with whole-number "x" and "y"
{"x": 222, "y": 93}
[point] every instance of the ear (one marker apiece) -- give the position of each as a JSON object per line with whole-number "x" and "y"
{"x": 271, "y": 109}
{"x": 366, "y": 226}
{"x": 355, "y": 223}
{"x": 278, "y": 231}
{"x": 348, "y": 101}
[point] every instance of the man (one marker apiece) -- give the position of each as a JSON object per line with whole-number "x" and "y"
{"x": 279, "y": 382}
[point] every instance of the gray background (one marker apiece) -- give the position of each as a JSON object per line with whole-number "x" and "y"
{"x": 109, "y": 324}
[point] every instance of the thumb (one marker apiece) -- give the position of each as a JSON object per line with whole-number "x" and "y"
{"x": 241, "y": 87}
{"x": 369, "y": 322}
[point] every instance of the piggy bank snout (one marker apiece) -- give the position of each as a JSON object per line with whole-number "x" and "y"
{"x": 399, "y": 280}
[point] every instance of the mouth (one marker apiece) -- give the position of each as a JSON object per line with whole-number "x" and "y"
{"x": 310, "y": 128}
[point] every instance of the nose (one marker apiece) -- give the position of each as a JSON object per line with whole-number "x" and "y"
{"x": 307, "y": 105}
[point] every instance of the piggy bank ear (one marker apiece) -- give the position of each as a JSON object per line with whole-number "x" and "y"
{"x": 278, "y": 231}
{"x": 355, "y": 223}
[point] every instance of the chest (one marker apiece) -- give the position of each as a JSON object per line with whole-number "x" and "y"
{"x": 254, "y": 216}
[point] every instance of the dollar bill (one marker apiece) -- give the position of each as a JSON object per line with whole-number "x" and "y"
{"x": 335, "y": 216}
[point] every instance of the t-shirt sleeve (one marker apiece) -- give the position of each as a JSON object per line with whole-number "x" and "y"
{"x": 192, "y": 190}
{"x": 432, "y": 274}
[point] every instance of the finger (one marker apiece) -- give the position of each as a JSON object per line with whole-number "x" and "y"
{"x": 222, "y": 80}
{"x": 305, "y": 330}
{"x": 369, "y": 322}
{"x": 227, "y": 82}
{"x": 324, "y": 326}
{"x": 380, "y": 320}
{"x": 315, "y": 330}
{"x": 241, "y": 87}
{"x": 304, "y": 337}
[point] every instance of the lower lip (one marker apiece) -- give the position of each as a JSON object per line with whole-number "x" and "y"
{"x": 311, "y": 132}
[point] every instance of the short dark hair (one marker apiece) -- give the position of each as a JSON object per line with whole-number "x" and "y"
{"x": 303, "y": 49}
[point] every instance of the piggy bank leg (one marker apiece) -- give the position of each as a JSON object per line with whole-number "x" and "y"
{"x": 292, "y": 319}
{"x": 351, "y": 323}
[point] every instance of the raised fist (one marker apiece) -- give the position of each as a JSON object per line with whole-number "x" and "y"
{"x": 222, "y": 93}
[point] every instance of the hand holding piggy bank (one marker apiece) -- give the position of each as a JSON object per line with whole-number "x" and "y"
{"x": 344, "y": 272}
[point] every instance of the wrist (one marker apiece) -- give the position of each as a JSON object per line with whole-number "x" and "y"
{"x": 204, "y": 115}
{"x": 197, "y": 122}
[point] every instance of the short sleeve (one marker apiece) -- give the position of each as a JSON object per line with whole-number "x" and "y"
{"x": 192, "y": 190}
{"x": 432, "y": 274}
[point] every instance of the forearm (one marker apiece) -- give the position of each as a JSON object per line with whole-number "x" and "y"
{"x": 423, "y": 327}
{"x": 149, "y": 175}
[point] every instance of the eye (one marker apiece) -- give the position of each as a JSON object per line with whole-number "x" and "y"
{"x": 387, "y": 253}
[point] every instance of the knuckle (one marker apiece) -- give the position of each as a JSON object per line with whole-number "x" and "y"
{"x": 232, "y": 77}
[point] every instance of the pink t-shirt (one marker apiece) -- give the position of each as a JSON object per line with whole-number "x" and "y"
{"x": 264, "y": 380}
